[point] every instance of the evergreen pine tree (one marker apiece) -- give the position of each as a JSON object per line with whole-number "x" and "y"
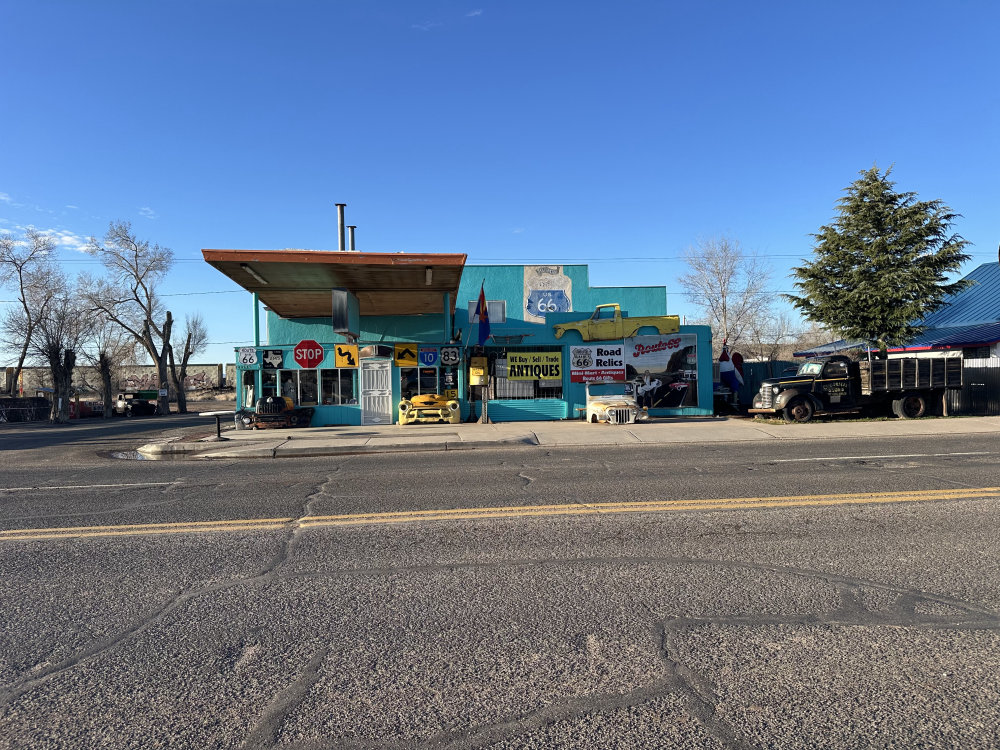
{"x": 882, "y": 265}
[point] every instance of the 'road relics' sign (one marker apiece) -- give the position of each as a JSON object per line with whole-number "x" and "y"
{"x": 248, "y": 356}
{"x": 308, "y": 354}
{"x": 597, "y": 364}
{"x": 534, "y": 365}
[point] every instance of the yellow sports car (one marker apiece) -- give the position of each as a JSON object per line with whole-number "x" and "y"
{"x": 429, "y": 407}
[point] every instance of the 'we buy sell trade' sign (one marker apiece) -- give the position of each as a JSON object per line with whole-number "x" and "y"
{"x": 308, "y": 354}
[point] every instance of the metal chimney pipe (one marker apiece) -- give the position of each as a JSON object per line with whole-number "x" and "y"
{"x": 340, "y": 226}
{"x": 350, "y": 237}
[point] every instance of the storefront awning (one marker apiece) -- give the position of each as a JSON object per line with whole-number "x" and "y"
{"x": 297, "y": 283}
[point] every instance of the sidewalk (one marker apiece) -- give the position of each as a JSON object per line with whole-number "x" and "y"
{"x": 331, "y": 441}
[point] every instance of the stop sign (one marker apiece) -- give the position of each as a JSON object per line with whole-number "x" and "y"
{"x": 308, "y": 353}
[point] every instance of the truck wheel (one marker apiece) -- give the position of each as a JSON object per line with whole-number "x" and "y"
{"x": 912, "y": 406}
{"x": 798, "y": 410}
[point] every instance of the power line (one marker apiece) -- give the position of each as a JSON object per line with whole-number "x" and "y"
{"x": 194, "y": 294}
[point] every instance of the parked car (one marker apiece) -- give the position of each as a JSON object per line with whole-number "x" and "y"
{"x": 136, "y": 403}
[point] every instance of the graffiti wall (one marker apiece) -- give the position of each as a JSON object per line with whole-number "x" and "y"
{"x": 130, "y": 378}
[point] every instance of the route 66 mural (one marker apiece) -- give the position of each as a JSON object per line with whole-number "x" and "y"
{"x": 546, "y": 289}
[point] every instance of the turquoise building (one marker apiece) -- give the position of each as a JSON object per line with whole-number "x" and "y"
{"x": 400, "y": 325}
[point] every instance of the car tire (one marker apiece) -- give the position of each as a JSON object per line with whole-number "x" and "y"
{"x": 911, "y": 406}
{"x": 799, "y": 409}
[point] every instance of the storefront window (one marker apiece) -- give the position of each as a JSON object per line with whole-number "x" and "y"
{"x": 315, "y": 387}
{"x": 414, "y": 381}
{"x": 338, "y": 387}
{"x": 289, "y": 380}
{"x": 248, "y": 377}
{"x": 428, "y": 380}
{"x": 269, "y": 383}
{"x": 308, "y": 390}
{"x": 503, "y": 386}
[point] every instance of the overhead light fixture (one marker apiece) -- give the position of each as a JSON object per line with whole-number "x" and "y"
{"x": 253, "y": 273}
{"x": 428, "y": 275}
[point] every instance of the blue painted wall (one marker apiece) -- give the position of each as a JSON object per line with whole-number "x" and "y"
{"x": 506, "y": 283}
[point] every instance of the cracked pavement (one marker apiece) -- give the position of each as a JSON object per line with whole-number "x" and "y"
{"x": 866, "y": 625}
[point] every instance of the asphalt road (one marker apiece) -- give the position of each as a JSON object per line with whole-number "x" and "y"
{"x": 845, "y": 595}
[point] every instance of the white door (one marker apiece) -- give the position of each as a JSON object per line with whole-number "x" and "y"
{"x": 376, "y": 391}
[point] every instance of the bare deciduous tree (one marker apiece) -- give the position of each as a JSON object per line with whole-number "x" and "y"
{"x": 192, "y": 342}
{"x": 26, "y": 266}
{"x": 58, "y": 336}
{"x": 729, "y": 286}
{"x": 129, "y": 296}
{"x": 772, "y": 336}
{"x": 107, "y": 348}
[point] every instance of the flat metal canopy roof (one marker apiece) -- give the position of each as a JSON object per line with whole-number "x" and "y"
{"x": 297, "y": 283}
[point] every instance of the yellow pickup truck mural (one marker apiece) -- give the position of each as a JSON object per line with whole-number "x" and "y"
{"x": 608, "y": 323}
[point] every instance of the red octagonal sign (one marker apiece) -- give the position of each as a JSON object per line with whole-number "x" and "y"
{"x": 308, "y": 354}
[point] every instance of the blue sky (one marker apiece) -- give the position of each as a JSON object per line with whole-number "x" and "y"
{"x": 614, "y": 134}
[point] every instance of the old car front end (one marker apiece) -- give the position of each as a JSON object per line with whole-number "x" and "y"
{"x": 613, "y": 403}
{"x": 430, "y": 407}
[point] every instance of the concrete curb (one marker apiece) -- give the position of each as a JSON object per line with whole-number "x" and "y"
{"x": 336, "y": 441}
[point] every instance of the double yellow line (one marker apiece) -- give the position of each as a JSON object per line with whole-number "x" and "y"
{"x": 519, "y": 511}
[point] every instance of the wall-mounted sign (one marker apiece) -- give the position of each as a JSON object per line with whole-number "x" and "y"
{"x": 428, "y": 356}
{"x": 406, "y": 355}
{"x": 450, "y": 356}
{"x": 247, "y": 356}
{"x": 664, "y": 369}
{"x": 546, "y": 289}
{"x": 542, "y": 301}
{"x": 534, "y": 365}
{"x": 597, "y": 364}
{"x": 345, "y": 355}
{"x": 477, "y": 370}
{"x": 273, "y": 359}
{"x": 308, "y": 354}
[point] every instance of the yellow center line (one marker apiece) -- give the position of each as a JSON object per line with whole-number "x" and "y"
{"x": 516, "y": 511}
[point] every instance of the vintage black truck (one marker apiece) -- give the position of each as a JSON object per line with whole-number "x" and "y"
{"x": 910, "y": 386}
{"x": 274, "y": 412}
